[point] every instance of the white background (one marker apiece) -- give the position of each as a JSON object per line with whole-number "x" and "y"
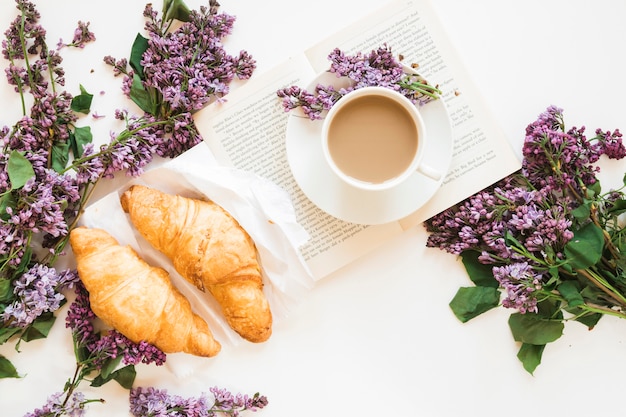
{"x": 377, "y": 338}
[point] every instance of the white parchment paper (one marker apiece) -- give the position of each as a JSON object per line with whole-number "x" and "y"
{"x": 263, "y": 209}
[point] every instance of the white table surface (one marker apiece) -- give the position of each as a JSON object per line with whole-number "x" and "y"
{"x": 378, "y": 337}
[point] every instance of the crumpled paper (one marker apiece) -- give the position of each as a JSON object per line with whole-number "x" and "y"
{"x": 262, "y": 208}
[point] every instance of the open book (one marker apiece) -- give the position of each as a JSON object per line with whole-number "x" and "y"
{"x": 249, "y": 130}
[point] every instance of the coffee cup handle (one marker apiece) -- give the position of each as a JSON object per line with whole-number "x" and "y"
{"x": 430, "y": 172}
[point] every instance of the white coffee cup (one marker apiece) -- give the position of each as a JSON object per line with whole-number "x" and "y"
{"x": 373, "y": 138}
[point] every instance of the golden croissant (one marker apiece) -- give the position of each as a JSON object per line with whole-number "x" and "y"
{"x": 137, "y": 299}
{"x": 209, "y": 248}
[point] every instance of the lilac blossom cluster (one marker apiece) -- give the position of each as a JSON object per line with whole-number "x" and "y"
{"x": 522, "y": 224}
{"x": 57, "y": 405}
{"x": 26, "y": 27}
{"x": 554, "y": 159}
{"x": 185, "y": 69}
{"x": 189, "y": 77}
{"x": 82, "y": 36}
{"x": 39, "y": 206}
{"x": 49, "y": 167}
{"x": 159, "y": 403}
{"x": 378, "y": 68}
{"x": 45, "y": 203}
{"x": 37, "y": 291}
{"x": 43, "y": 209}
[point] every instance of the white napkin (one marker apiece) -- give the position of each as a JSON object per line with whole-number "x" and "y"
{"x": 262, "y": 208}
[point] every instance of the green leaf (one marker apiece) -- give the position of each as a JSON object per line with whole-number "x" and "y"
{"x": 530, "y": 356}
{"x": 511, "y": 240}
{"x": 7, "y": 370}
{"x": 6, "y": 333}
{"x": 581, "y": 212}
{"x": 141, "y": 96}
{"x": 40, "y": 328}
{"x": 592, "y": 294}
{"x": 617, "y": 207}
{"x": 571, "y": 292}
{"x": 585, "y": 248}
{"x": 82, "y": 102}
{"x": 25, "y": 262}
{"x": 589, "y": 319}
{"x": 470, "y": 302}
{"x": 549, "y": 309}
{"x": 110, "y": 366}
{"x": 479, "y": 273}
{"x": 594, "y": 189}
{"x": 6, "y": 290}
{"x": 6, "y": 200}
{"x": 79, "y": 138}
{"x": 81, "y": 353}
{"x": 60, "y": 155}
{"x": 99, "y": 380}
{"x": 533, "y": 329}
{"x": 140, "y": 45}
{"x": 175, "y": 9}
{"x": 20, "y": 170}
{"x": 124, "y": 376}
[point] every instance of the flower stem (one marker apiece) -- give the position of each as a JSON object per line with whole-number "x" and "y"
{"x": 604, "y": 286}
{"x": 594, "y": 308}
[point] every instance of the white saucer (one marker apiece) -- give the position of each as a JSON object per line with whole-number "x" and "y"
{"x": 314, "y": 176}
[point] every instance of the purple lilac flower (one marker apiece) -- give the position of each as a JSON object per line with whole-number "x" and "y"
{"x": 377, "y": 68}
{"x": 133, "y": 149}
{"x": 225, "y": 401}
{"x": 11, "y": 45}
{"x": 311, "y": 104}
{"x": 49, "y": 120}
{"x": 612, "y": 145}
{"x": 91, "y": 168}
{"x": 12, "y": 244}
{"x": 465, "y": 226}
{"x": 52, "y": 116}
{"x": 57, "y": 406}
{"x": 119, "y": 66}
{"x": 482, "y": 222}
{"x": 16, "y": 75}
{"x": 37, "y": 291}
{"x": 82, "y": 36}
{"x": 151, "y": 401}
{"x": 80, "y": 317}
{"x": 527, "y": 216}
{"x": 25, "y": 27}
{"x": 42, "y": 206}
{"x": 189, "y": 77}
{"x": 113, "y": 344}
{"x": 552, "y": 230}
{"x": 520, "y": 281}
{"x": 555, "y": 159}
{"x": 187, "y": 68}
{"x": 244, "y": 65}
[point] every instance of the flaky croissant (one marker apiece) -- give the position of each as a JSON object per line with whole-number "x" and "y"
{"x": 137, "y": 299}
{"x": 208, "y": 248}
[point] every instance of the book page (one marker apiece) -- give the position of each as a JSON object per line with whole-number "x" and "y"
{"x": 248, "y": 132}
{"x": 481, "y": 153}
